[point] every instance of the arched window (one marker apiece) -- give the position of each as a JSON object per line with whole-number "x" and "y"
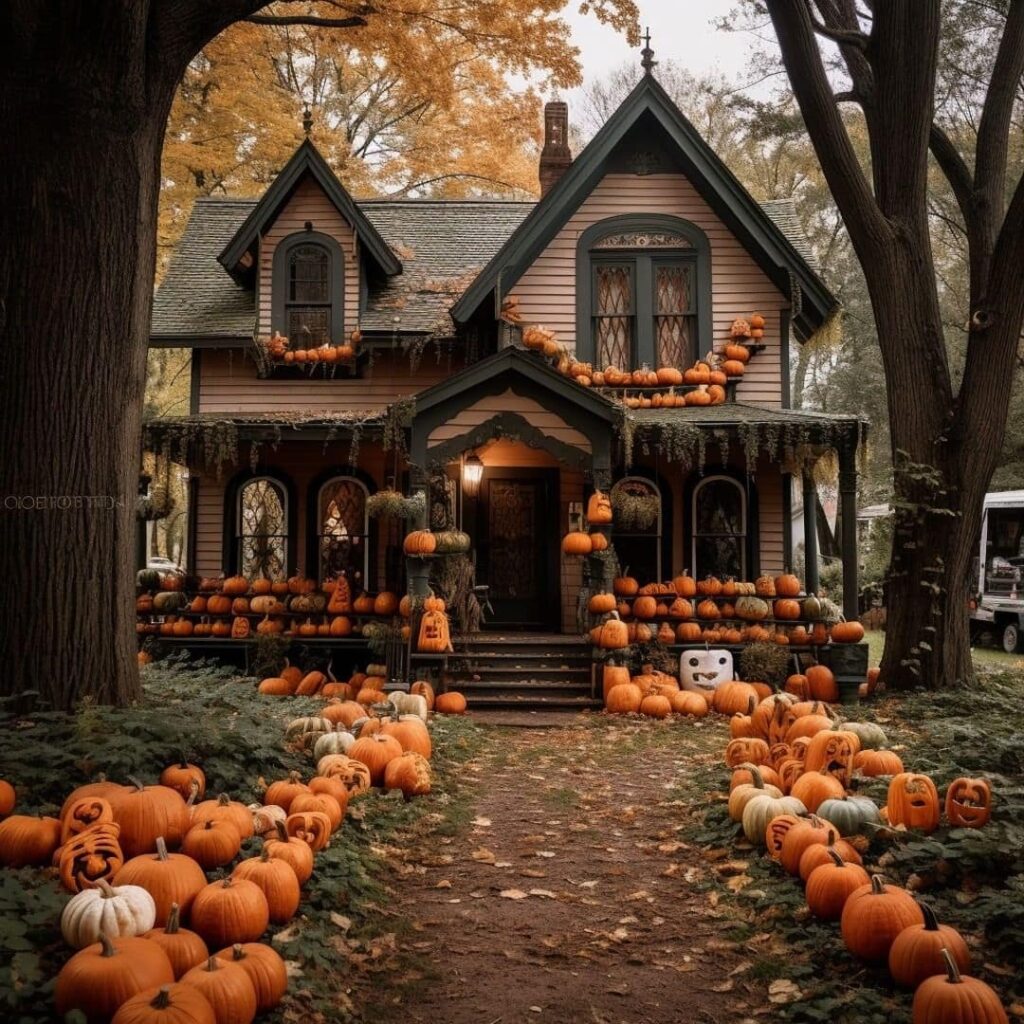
{"x": 308, "y": 289}
{"x": 719, "y": 518}
{"x": 643, "y": 292}
{"x": 637, "y": 526}
{"x": 343, "y": 528}
{"x": 261, "y": 528}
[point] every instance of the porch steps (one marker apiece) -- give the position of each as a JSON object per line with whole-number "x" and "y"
{"x": 522, "y": 671}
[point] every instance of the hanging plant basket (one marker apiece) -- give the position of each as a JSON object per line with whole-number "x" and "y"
{"x": 635, "y": 506}
{"x": 390, "y": 504}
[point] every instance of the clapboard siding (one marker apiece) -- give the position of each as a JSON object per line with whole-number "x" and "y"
{"x": 490, "y": 406}
{"x": 547, "y": 291}
{"x": 570, "y": 489}
{"x": 228, "y": 383}
{"x": 770, "y": 514}
{"x": 309, "y": 203}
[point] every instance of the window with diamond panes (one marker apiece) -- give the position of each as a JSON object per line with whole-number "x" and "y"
{"x": 614, "y": 314}
{"x": 344, "y": 529}
{"x": 675, "y": 314}
{"x": 263, "y": 529}
{"x": 308, "y": 299}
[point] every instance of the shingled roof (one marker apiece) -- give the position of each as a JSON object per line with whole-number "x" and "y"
{"x": 442, "y": 244}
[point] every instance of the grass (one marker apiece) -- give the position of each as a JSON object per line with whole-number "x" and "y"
{"x": 218, "y": 721}
{"x": 991, "y": 658}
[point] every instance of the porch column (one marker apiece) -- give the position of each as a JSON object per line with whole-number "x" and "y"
{"x": 811, "y": 581}
{"x": 848, "y": 508}
{"x": 417, "y": 570}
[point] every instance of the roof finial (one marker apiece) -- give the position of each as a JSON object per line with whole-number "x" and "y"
{"x": 647, "y": 61}
{"x": 307, "y": 120}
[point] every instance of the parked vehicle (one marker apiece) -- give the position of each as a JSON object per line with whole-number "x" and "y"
{"x": 997, "y": 606}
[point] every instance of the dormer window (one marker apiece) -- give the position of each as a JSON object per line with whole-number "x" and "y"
{"x": 308, "y": 289}
{"x": 643, "y": 293}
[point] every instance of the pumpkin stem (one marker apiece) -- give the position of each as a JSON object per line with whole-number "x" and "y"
{"x": 223, "y": 800}
{"x": 282, "y": 832}
{"x": 877, "y": 885}
{"x": 162, "y": 999}
{"x": 211, "y": 964}
{"x": 137, "y": 783}
{"x": 834, "y": 854}
{"x": 237, "y": 953}
{"x": 931, "y": 922}
{"x": 265, "y": 853}
{"x": 173, "y": 920}
{"x": 952, "y": 971}
{"x": 105, "y": 888}
{"x": 108, "y": 945}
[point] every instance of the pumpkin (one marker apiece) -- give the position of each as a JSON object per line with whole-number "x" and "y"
{"x": 352, "y": 774}
{"x": 277, "y": 878}
{"x": 871, "y": 736}
{"x": 831, "y": 885}
{"x": 787, "y": 585}
{"x": 916, "y": 953}
{"x": 599, "y": 509}
{"x": 312, "y": 827}
{"x": 874, "y": 915}
{"x": 762, "y": 809}
{"x": 322, "y": 802}
{"x": 265, "y": 818}
{"x": 228, "y": 911}
{"x": 122, "y": 911}
{"x": 170, "y": 878}
{"x": 847, "y": 633}
{"x": 419, "y": 542}
{"x": 175, "y": 1004}
{"x": 814, "y": 788}
{"x": 645, "y": 607}
{"x": 747, "y": 749}
{"x": 575, "y": 543}
{"x": 223, "y": 807}
{"x": 821, "y": 683}
{"x": 733, "y": 696}
{"x": 293, "y": 851}
{"x": 877, "y": 762}
{"x": 333, "y": 743}
{"x": 624, "y": 699}
{"x": 686, "y": 702}
{"x": 913, "y": 801}
{"x": 744, "y": 792}
{"x": 956, "y": 997}
{"x": 851, "y": 814}
{"x": 450, "y": 703}
{"x": 821, "y": 853}
{"x": 655, "y": 705}
{"x": 787, "y": 608}
{"x": 601, "y": 604}
{"x": 705, "y": 672}
{"x": 806, "y": 833}
{"x": 90, "y": 856}
{"x": 776, "y": 832}
{"x": 265, "y": 968}
{"x": 228, "y": 989}
{"x": 834, "y": 752}
{"x": 752, "y": 609}
{"x": 411, "y": 733}
{"x": 97, "y": 980}
{"x": 968, "y": 803}
{"x": 183, "y": 947}
{"x": 212, "y": 844}
{"x": 613, "y": 633}
{"x": 25, "y": 840}
{"x": 284, "y": 791}
{"x": 375, "y": 752}
{"x": 409, "y": 773}
{"x": 434, "y": 634}
{"x": 183, "y": 777}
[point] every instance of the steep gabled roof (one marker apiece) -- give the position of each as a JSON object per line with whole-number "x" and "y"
{"x": 306, "y": 160}
{"x": 650, "y": 110}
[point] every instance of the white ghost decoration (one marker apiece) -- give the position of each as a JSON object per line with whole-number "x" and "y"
{"x": 704, "y": 671}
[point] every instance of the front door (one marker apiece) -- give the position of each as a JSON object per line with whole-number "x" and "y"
{"x": 517, "y": 547}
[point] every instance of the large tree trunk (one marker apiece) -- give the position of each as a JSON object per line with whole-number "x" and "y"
{"x": 82, "y": 117}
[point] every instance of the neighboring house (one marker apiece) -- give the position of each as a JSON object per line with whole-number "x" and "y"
{"x": 642, "y": 250}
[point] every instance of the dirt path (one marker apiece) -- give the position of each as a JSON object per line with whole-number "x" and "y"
{"x": 570, "y": 897}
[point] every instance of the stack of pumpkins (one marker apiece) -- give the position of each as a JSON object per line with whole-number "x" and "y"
{"x": 685, "y": 610}
{"x": 238, "y": 608}
{"x": 793, "y": 768}
{"x": 280, "y": 351}
{"x": 652, "y": 693}
{"x": 145, "y": 917}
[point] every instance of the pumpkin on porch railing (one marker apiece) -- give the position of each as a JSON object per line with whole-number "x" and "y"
{"x": 419, "y": 542}
{"x": 599, "y": 509}
{"x": 576, "y": 543}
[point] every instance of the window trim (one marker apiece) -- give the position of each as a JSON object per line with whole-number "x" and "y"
{"x": 699, "y": 253}
{"x": 747, "y": 564}
{"x": 659, "y": 536}
{"x": 336, "y": 276}
{"x": 317, "y": 535}
{"x": 232, "y": 520}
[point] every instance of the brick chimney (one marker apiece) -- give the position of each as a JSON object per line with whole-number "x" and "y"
{"x": 556, "y": 156}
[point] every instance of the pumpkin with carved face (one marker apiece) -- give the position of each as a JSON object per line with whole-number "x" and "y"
{"x": 913, "y": 801}
{"x": 968, "y": 803}
{"x": 599, "y": 509}
{"x": 704, "y": 671}
{"x": 832, "y": 752}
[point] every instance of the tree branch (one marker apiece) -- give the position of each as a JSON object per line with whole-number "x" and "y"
{"x": 837, "y": 35}
{"x": 955, "y": 169}
{"x": 355, "y": 21}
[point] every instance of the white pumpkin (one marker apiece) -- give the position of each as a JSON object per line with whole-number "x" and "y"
{"x": 117, "y": 911}
{"x": 333, "y": 743}
{"x": 409, "y": 704}
{"x": 265, "y": 818}
{"x": 704, "y": 671}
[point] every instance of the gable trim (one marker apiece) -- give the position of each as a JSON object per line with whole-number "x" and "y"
{"x": 720, "y": 188}
{"x": 306, "y": 160}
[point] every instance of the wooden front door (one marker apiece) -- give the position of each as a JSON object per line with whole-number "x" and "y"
{"x": 517, "y": 547}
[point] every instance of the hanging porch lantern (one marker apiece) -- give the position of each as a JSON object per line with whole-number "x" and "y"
{"x": 472, "y": 474}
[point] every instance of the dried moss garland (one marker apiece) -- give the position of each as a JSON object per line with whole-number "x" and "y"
{"x": 635, "y": 505}
{"x": 389, "y": 504}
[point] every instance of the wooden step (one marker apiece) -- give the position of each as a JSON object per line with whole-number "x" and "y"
{"x": 519, "y": 671}
{"x": 533, "y": 702}
{"x": 521, "y": 686}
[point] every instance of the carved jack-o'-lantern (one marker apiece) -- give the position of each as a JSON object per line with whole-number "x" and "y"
{"x": 968, "y": 803}
{"x": 704, "y": 671}
{"x": 599, "y": 508}
{"x": 832, "y": 753}
{"x": 913, "y": 801}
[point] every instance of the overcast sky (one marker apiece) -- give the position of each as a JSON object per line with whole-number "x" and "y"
{"x": 681, "y": 30}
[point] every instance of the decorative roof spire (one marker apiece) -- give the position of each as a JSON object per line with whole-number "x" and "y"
{"x": 307, "y": 121}
{"x": 647, "y": 61}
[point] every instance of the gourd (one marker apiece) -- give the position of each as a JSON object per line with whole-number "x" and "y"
{"x": 760, "y": 811}
{"x": 851, "y": 814}
{"x": 746, "y": 791}
{"x": 126, "y": 910}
